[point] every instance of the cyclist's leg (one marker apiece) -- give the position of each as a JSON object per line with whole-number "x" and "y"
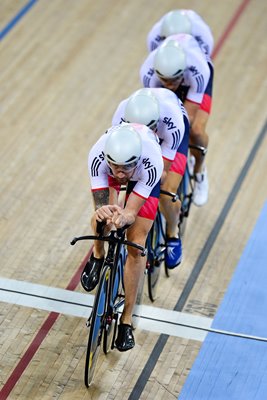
{"x": 135, "y": 265}
{"x": 199, "y": 137}
{"x": 198, "y": 134}
{"x": 133, "y": 271}
{"x": 171, "y": 212}
{"x": 169, "y": 209}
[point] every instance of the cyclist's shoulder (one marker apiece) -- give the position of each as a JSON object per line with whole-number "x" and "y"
{"x": 148, "y": 60}
{"x": 186, "y": 41}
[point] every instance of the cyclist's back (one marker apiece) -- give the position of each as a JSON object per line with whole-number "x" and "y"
{"x": 172, "y": 23}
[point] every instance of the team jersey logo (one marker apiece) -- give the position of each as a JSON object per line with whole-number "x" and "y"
{"x": 157, "y": 40}
{"x": 152, "y": 172}
{"x": 176, "y": 134}
{"x": 199, "y": 79}
{"x": 183, "y": 109}
{"x": 203, "y": 45}
{"x": 147, "y": 77}
{"x": 96, "y": 164}
{"x": 175, "y": 139}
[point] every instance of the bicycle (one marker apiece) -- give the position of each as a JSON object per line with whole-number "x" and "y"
{"x": 109, "y": 297}
{"x": 156, "y": 241}
{"x": 186, "y": 190}
{"x": 156, "y": 246}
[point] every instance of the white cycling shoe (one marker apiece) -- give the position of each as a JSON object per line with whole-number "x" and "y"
{"x": 201, "y": 189}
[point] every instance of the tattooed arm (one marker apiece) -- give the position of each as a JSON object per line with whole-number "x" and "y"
{"x": 103, "y": 210}
{"x": 101, "y": 198}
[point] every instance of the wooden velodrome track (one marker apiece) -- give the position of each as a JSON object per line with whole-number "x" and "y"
{"x": 65, "y": 65}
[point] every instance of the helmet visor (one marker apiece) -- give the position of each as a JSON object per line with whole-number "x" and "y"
{"x": 121, "y": 167}
{"x": 152, "y": 124}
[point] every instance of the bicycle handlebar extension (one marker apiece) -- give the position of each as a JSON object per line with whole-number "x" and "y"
{"x": 174, "y": 196}
{"x": 113, "y": 238}
{"x": 202, "y": 149}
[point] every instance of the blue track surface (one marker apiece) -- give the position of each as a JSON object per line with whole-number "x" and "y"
{"x": 235, "y": 368}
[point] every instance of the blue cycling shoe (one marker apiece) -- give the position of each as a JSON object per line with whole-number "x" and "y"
{"x": 173, "y": 252}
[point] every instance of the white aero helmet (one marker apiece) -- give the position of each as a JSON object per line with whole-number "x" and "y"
{"x": 170, "y": 60}
{"x": 175, "y": 22}
{"x": 142, "y": 108}
{"x": 123, "y": 145}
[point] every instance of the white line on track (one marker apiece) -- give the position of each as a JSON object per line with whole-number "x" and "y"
{"x": 78, "y": 304}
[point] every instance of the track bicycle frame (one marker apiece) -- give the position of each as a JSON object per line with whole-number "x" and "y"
{"x": 109, "y": 297}
{"x": 155, "y": 244}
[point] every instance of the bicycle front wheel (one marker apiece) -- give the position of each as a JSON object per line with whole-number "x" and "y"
{"x": 185, "y": 197}
{"x": 111, "y": 319}
{"x": 155, "y": 256}
{"x": 96, "y": 327}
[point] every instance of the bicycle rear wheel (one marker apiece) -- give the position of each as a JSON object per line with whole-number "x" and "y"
{"x": 185, "y": 192}
{"x": 96, "y": 327}
{"x": 153, "y": 276}
{"x": 183, "y": 188}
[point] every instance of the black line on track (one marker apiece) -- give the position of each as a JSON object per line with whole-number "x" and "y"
{"x": 45, "y": 297}
{"x": 217, "y": 331}
{"x": 162, "y": 340}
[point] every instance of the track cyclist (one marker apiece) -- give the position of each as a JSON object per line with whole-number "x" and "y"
{"x": 127, "y": 154}
{"x": 163, "y": 112}
{"x": 181, "y": 21}
{"x": 181, "y": 65}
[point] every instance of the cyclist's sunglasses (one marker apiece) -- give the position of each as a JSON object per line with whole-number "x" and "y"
{"x": 151, "y": 125}
{"x": 125, "y": 168}
{"x": 178, "y": 76}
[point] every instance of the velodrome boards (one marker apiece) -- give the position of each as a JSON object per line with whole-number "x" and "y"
{"x": 65, "y": 65}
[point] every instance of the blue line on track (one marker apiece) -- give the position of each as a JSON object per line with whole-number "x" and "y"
{"x": 16, "y": 19}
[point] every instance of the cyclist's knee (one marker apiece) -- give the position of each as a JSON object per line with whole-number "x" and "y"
{"x": 139, "y": 230}
{"x": 171, "y": 183}
{"x": 137, "y": 236}
{"x": 134, "y": 253}
{"x": 198, "y": 127}
{"x": 197, "y": 130}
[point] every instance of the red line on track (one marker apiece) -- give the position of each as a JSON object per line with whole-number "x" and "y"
{"x": 52, "y": 317}
{"x": 230, "y": 27}
{"x": 39, "y": 337}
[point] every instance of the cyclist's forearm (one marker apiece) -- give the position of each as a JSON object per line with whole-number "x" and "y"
{"x": 101, "y": 197}
{"x": 129, "y": 217}
{"x": 132, "y": 207}
{"x": 113, "y": 196}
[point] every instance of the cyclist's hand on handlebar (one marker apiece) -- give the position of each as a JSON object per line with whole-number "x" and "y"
{"x": 122, "y": 218}
{"x": 106, "y": 213}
